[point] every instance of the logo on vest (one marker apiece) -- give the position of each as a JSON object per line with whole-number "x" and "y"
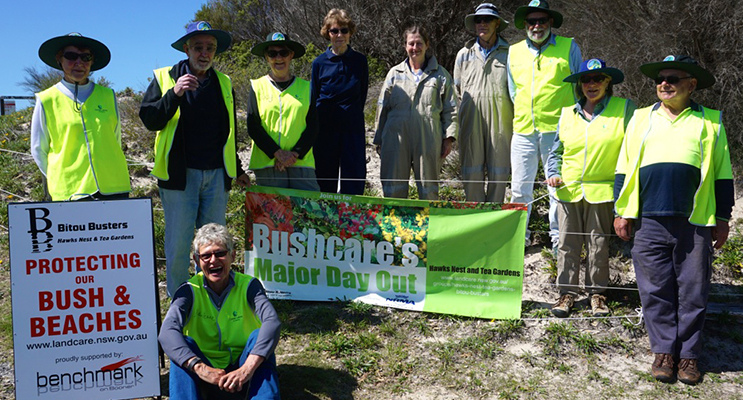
{"x": 234, "y": 317}
{"x": 101, "y": 109}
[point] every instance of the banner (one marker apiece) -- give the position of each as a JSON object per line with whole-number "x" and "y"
{"x": 84, "y": 300}
{"x": 444, "y": 257}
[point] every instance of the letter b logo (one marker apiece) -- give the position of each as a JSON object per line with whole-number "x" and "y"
{"x": 40, "y": 225}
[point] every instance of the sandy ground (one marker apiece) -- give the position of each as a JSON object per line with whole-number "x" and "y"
{"x": 621, "y": 369}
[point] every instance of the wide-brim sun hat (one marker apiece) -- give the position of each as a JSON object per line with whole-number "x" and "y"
{"x": 49, "y": 49}
{"x": 534, "y": 6}
{"x": 684, "y": 63}
{"x": 485, "y": 10}
{"x": 278, "y": 39}
{"x": 202, "y": 27}
{"x": 596, "y": 66}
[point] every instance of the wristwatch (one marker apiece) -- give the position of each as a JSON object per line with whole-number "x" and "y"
{"x": 192, "y": 363}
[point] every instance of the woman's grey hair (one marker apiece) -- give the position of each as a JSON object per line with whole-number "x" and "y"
{"x": 213, "y": 234}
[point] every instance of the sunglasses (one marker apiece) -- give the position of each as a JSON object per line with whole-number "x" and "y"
{"x": 72, "y": 56}
{"x": 534, "y": 21}
{"x": 208, "y": 256}
{"x": 670, "y": 79}
{"x": 336, "y": 31}
{"x": 274, "y": 53}
{"x": 592, "y": 78}
{"x": 209, "y": 49}
{"x": 483, "y": 20}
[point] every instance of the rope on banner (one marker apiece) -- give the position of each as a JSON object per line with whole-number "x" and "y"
{"x": 590, "y": 318}
{"x": 593, "y": 287}
{"x": 639, "y": 314}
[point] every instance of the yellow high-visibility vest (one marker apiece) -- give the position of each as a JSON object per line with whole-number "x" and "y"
{"x": 540, "y": 92}
{"x": 283, "y": 116}
{"x": 713, "y": 159}
{"x": 590, "y": 153}
{"x": 221, "y": 334}
{"x": 84, "y": 156}
{"x": 164, "y": 139}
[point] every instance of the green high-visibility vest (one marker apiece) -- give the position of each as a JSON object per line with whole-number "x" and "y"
{"x": 283, "y": 116}
{"x": 221, "y": 333}
{"x": 703, "y": 126}
{"x": 84, "y": 156}
{"x": 540, "y": 92}
{"x": 590, "y": 153}
{"x": 164, "y": 139}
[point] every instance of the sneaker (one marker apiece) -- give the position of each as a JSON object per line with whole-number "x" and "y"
{"x": 688, "y": 371}
{"x": 598, "y": 306}
{"x": 662, "y": 368}
{"x": 562, "y": 308}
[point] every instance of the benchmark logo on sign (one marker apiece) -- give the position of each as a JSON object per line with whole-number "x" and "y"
{"x": 115, "y": 376}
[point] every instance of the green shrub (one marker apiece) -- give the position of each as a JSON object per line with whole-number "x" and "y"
{"x": 730, "y": 258}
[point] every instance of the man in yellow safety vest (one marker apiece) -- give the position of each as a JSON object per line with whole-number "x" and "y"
{"x": 192, "y": 108}
{"x": 536, "y": 69}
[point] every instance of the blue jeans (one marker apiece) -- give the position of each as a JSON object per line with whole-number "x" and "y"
{"x": 263, "y": 385}
{"x": 203, "y": 201}
{"x": 526, "y": 151}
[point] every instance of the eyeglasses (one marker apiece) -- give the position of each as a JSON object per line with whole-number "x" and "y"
{"x": 336, "y": 31}
{"x": 208, "y": 256}
{"x": 200, "y": 49}
{"x": 670, "y": 79}
{"x": 274, "y": 53}
{"x": 534, "y": 21}
{"x": 592, "y": 78}
{"x": 72, "y": 56}
{"x": 483, "y": 20}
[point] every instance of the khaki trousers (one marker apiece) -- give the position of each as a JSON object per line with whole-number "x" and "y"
{"x": 583, "y": 223}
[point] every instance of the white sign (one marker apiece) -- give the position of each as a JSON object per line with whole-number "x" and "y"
{"x": 9, "y": 107}
{"x": 84, "y": 300}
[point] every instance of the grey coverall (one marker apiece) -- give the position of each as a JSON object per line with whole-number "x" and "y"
{"x": 485, "y": 120}
{"x": 413, "y": 119}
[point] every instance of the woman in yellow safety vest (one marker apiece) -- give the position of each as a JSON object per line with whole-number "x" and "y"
{"x": 75, "y": 129}
{"x": 281, "y": 119}
{"x": 581, "y": 165}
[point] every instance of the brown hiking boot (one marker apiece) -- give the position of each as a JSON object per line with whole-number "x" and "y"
{"x": 662, "y": 368}
{"x": 688, "y": 371}
{"x": 562, "y": 308}
{"x": 598, "y": 305}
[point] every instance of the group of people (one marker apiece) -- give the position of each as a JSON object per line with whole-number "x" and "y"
{"x": 661, "y": 174}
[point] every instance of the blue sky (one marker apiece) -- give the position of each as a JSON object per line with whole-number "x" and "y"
{"x": 137, "y": 32}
